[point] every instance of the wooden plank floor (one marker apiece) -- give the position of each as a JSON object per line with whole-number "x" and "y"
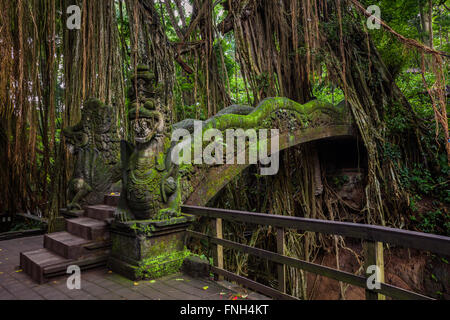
{"x": 101, "y": 284}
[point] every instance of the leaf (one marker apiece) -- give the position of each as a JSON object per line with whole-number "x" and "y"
{"x": 136, "y": 283}
{"x": 152, "y": 281}
{"x": 179, "y": 279}
{"x": 205, "y": 288}
{"x": 20, "y": 270}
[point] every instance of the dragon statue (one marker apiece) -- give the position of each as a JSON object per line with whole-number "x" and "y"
{"x": 95, "y": 143}
{"x": 150, "y": 181}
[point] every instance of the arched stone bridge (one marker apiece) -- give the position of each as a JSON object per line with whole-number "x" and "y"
{"x": 297, "y": 124}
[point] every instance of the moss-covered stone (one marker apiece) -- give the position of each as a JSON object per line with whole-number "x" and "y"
{"x": 165, "y": 263}
{"x": 148, "y": 248}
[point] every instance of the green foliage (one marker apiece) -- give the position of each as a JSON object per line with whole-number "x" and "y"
{"x": 203, "y": 256}
{"x": 327, "y": 91}
{"x": 26, "y": 224}
{"x": 411, "y": 84}
{"x": 339, "y": 181}
{"x": 424, "y": 184}
{"x": 421, "y": 181}
{"x": 391, "y": 151}
{"x": 437, "y": 222}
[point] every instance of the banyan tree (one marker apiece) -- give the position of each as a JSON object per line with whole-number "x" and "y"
{"x": 206, "y": 56}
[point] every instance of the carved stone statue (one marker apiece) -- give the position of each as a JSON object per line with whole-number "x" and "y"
{"x": 95, "y": 143}
{"x": 150, "y": 181}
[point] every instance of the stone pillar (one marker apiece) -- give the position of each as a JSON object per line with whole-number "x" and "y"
{"x": 148, "y": 249}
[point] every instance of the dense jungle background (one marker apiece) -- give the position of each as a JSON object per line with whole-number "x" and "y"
{"x": 210, "y": 54}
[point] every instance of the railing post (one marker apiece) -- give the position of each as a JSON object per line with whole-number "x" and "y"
{"x": 373, "y": 256}
{"x": 281, "y": 267}
{"x": 218, "y": 252}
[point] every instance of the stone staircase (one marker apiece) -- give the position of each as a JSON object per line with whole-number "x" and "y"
{"x": 85, "y": 243}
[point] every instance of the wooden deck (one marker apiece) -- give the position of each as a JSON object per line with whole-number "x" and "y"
{"x": 101, "y": 284}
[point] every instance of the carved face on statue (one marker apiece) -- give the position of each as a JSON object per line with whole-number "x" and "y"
{"x": 146, "y": 120}
{"x": 151, "y": 188}
{"x": 146, "y": 126}
{"x": 93, "y": 129}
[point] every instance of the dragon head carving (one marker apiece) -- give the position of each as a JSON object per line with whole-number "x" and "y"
{"x": 146, "y": 118}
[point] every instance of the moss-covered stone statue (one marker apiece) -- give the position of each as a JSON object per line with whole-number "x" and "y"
{"x": 95, "y": 143}
{"x": 150, "y": 180}
{"x": 148, "y": 231}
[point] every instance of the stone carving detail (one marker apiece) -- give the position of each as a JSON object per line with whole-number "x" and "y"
{"x": 150, "y": 181}
{"x": 95, "y": 143}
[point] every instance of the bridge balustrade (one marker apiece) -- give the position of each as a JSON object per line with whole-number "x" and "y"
{"x": 372, "y": 236}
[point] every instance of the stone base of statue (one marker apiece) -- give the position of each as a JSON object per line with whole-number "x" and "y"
{"x": 71, "y": 213}
{"x": 148, "y": 249}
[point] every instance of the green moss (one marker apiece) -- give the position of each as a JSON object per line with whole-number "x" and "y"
{"x": 147, "y": 227}
{"x": 265, "y": 109}
{"x": 161, "y": 265}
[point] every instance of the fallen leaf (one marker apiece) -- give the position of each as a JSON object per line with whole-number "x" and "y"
{"x": 152, "y": 281}
{"x": 109, "y": 271}
{"x": 20, "y": 270}
{"x": 136, "y": 283}
{"x": 205, "y": 288}
{"x": 223, "y": 293}
{"x": 179, "y": 279}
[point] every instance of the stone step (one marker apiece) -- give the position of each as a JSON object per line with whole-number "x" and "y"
{"x": 70, "y": 214}
{"x": 43, "y": 264}
{"x": 100, "y": 211}
{"x": 33, "y": 263}
{"x": 65, "y": 244}
{"x": 112, "y": 199}
{"x": 88, "y": 228}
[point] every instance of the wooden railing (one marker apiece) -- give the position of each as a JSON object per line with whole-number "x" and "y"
{"x": 372, "y": 236}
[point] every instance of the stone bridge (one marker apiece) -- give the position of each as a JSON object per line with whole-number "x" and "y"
{"x": 297, "y": 124}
